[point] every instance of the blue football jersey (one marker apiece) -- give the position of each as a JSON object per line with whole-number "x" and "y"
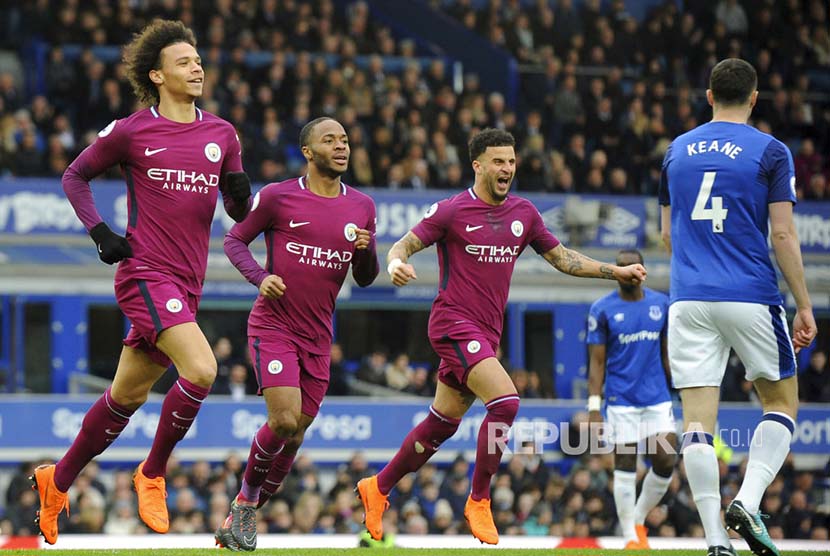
{"x": 631, "y": 332}
{"x": 719, "y": 180}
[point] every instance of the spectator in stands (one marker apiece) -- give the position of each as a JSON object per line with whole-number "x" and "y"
{"x": 533, "y": 34}
{"x": 398, "y": 372}
{"x": 222, "y": 351}
{"x": 419, "y": 383}
{"x": 373, "y": 368}
{"x": 817, "y": 189}
{"x": 22, "y": 512}
{"x": 237, "y": 387}
{"x": 618, "y": 183}
{"x": 339, "y": 379}
{"x": 814, "y": 381}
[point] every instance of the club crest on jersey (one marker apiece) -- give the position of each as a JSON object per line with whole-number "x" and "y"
{"x": 213, "y": 152}
{"x": 431, "y": 210}
{"x": 275, "y": 367}
{"x": 350, "y": 231}
{"x": 474, "y": 346}
{"x": 592, "y": 323}
{"x": 619, "y": 317}
{"x": 655, "y": 312}
{"x": 517, "y": 228}
{"x": 107, "y": 130}
{"x": 174, "y": 305}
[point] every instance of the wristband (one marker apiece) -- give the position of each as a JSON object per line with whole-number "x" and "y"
{"x": 594, "y": 403}
{"x": 393, "y": 264}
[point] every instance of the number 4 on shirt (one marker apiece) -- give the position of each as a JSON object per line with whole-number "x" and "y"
{"x": 717, "y": 214}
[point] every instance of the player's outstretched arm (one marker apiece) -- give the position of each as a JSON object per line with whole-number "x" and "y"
{"x": 398, "y": 268}
{"x": 788, "y": 254}
{"x": 576, "y": 264}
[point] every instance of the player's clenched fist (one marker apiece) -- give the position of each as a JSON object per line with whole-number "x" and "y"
{"x": 238, "y": 186}
{"x": 272, "y": 287}
{"x": 632, "y": 274}
{"x": 401, "y": 272}
{"x": 364, "y": 237}
{"x": 112, "y": 248}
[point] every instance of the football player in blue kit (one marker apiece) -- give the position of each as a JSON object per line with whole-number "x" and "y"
{"x": 724, "y": 186}
{"x": 627, "y": 355}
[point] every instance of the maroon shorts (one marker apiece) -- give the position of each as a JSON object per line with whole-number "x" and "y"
{"x": 458, "y": 355}
{"x": 279, "y": 361}
{"x": 153, "y": 303}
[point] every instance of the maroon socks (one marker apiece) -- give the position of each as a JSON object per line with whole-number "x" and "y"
{"x": 492, "y": 437}
{"x": 418, "y": 446}
{"x": 264, "y": 449}
{"x": 101, "y": 425}
{"x": 179, "y": 410}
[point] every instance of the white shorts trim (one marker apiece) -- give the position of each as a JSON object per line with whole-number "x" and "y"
{"x": 701, "y": 334}
{"x": 629, "y": 424}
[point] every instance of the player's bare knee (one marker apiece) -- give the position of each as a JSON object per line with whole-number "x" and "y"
{"x": 284, "y": 424}
{"x": 130, "y": 400}
{"x": 625, "y": 462}
{"x": 293, "y": 444}
{"x": 663, "y": 463}
{"x": 201, "y": 374}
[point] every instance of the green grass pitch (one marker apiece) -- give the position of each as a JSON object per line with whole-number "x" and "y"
{"x": 380, "y": 552}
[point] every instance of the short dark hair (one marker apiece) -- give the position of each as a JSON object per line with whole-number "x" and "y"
{"x": 307, "y": 130}
{"x": 489, "y": 137}
{"x": 732, "y": 81}
{"x": 143, "y": 54}
{"x": 635, "y": 252}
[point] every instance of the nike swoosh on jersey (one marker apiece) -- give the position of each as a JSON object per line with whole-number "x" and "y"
{"x": 177, "y": 416}
{"x": 292, "y": 224}
{"x": 260, "y": 458}
{"x": 113, "y": 433}
{"x": 473, "y": 228}
{"x": 150, "y": 152}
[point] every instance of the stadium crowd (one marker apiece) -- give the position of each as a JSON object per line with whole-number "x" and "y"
{"x": 530, "y": 497}
{"x": 602, "y": 93}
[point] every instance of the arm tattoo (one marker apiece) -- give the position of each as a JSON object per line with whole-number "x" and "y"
{"x": 411, "y": 244}
{"x": 571, "y": 262}
{"x": 576, "y": 264}
{"x": 405, "y": 247}
{"x": 606, "y": 272}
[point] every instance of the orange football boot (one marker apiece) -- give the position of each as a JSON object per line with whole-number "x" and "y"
{"x": 480, "y": 519}
{"x": 642, "y": 536}
{"x": 152, "y": 503}
{"x": 52, "y": 501}
{"x": 374, "y": 504}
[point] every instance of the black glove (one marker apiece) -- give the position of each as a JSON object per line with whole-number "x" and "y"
{"x": 111, "y": 246}
{"x": 238, "y": 186}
